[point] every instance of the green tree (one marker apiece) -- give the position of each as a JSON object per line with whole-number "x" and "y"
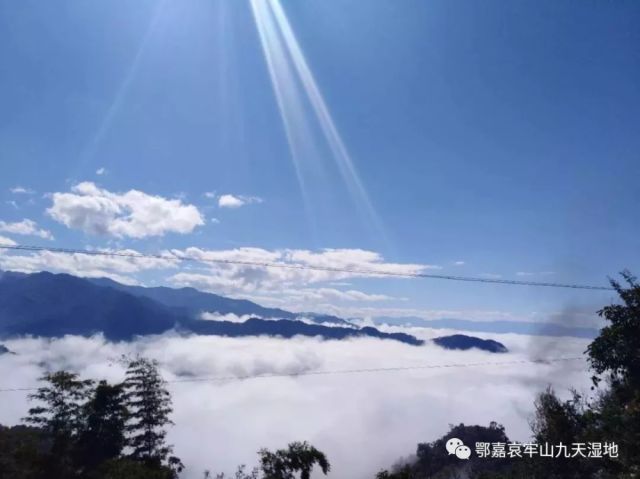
{"x": 20, "y": 452}
{"x": 60, "y": 416}
{"x": 298, "y": 457}
{"x": 103, "y": 434}
{"x": 149, "y": 405}
{"x": 616, "y": 351}
{"x": 615, "y": 357}
{"x": 401, "y": 472}
{"x": 562, "y": 422}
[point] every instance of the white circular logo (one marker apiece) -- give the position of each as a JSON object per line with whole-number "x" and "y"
{"x": 463, "y": 452}
{"x": 456, "y": 446}
{"x": 452, "y": 444}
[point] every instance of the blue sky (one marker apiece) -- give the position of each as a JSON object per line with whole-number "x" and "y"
{"x": 499, "y": 134}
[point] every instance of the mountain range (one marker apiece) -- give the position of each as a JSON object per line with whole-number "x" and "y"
{"x": 53, "y": 305}
{"x": 462, "y": 341}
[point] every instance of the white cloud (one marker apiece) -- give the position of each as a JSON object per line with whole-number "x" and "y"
{"x": 236, "y": 201}
{"x": 367, "y": 310}
{"x": 459, "y": 263}
{"x": 331, "y": 294}
{"x": 101, "y": 171}
{"x": 25, "y": 227}
{"x": 6, "y": 242}
{"x": 232, "y": 318}
{"x": 230, "y": 201}
{"x": 19, "y": 190}
{"x": 132, "y": 214}
{"x": 210, "y": 194}
{"x": 242, "y": 272}
{"x": 118, "y": 268}
{"x": 386, "y": 412}
{"x": 295, "y": 268}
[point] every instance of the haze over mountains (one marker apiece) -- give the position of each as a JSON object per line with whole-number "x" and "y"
{"x": 498, "y": 327}
{"x": 193, "y": 302}
{"x": 54, "y": 305}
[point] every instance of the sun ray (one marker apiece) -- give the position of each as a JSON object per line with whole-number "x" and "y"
{"x": 295, "y": 87}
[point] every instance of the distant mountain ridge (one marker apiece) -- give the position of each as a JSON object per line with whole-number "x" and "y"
{"x": 498, "y": 327}
{"x": 192, "y": 302}
{"x": 53, "y": 305}
{"x": 464, "y": 342}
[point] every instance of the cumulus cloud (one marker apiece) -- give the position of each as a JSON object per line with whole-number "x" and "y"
{"x": 132, "y": 214}
{"x": 101, "y": 171}
{"x": 386, "y": 413}
{"x": 117, "y": 268}
{"x": 250, "y": 270}
{"x": 25, "y": 227}
{"x": 6, "y": 242}
{"x": 459, "y": 263}
{"x": 236, "y": 201}
{"x": 285, "y": 278}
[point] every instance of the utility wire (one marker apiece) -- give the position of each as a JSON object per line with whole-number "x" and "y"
{"x": 346, "y": 371}
{"x": 354, "y": 271}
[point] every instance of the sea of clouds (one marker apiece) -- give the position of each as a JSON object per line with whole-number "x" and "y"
{"x": 363, "y": 421}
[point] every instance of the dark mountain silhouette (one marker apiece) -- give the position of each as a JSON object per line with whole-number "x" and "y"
{"x": 288, "y": 328}
{"x": 461, "y": 341}
{"x": 52, "y": 305}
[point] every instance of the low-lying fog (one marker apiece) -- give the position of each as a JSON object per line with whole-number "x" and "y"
{"x": 363, "y": 421}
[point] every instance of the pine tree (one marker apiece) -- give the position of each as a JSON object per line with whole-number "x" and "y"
{"x": 103, "y": 435}
{"x": 149, "y": 405}
{"x": 60, "y": 417}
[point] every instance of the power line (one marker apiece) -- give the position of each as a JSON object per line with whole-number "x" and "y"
{"x": 354, "y": 271}
{"x": 345, "y": 371}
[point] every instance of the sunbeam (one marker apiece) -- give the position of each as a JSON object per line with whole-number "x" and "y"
{"x": 295, "y": 88}
{"x": 288, "y": 96}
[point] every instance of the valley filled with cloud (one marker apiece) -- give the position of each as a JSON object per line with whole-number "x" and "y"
{"x": 363, "y": 420}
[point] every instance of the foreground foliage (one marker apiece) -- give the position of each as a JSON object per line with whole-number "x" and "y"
{"x": 78, "y": 429}
{"x": 297, "y": 460}
{"x": 611, "y": 415}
